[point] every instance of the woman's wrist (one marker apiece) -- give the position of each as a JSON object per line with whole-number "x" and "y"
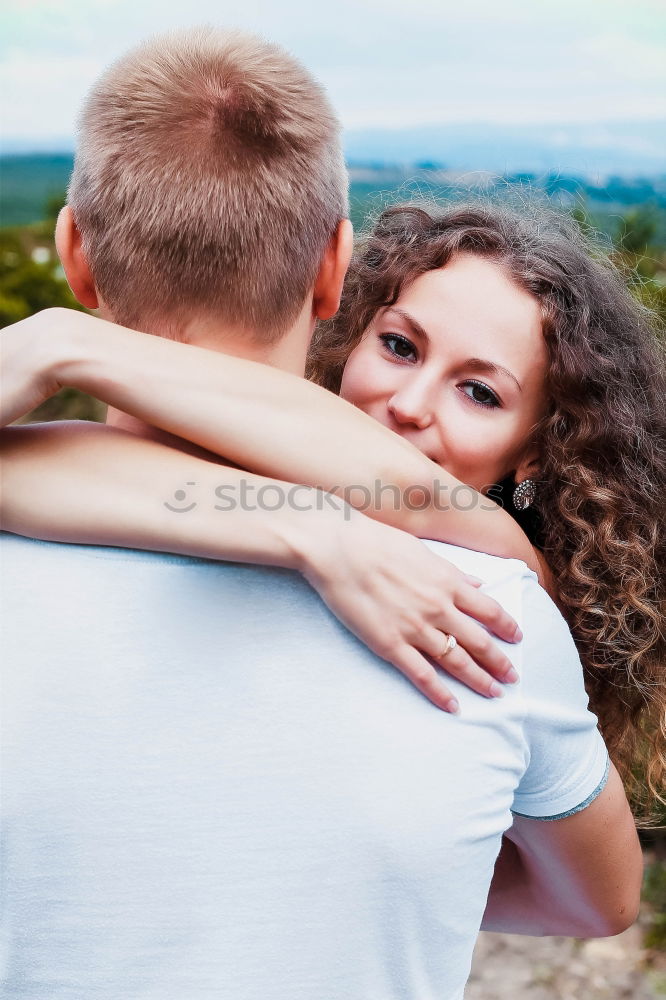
{"x": 82, "y": 347}
{"x": 311, "y": 530}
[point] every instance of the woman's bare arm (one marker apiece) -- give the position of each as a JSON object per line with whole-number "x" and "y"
{"x": 88, "y": 483}
{"x": 270, "y": 421}
{"x": 579, "y": 876}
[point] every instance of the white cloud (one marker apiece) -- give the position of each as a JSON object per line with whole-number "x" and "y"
{"x": 385, "y": 62}
{"x": 44, "y": 92}
{"x": 629, "y": 58}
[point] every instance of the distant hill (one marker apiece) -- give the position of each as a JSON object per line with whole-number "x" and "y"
{"x": 32, "y": 184}
{"x": 27, "y": 182}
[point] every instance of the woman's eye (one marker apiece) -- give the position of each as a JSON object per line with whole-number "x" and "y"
{"x": 480, "y": 394}
{"x": 399, "y": 346}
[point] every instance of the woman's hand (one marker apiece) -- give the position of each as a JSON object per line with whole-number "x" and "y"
{"x": 29, "y": 350}
{"x": 403, "y": 601}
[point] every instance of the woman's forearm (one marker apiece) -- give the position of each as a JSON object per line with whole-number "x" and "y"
{"x": 278, "y": 425}
{"x": 86, "y": 483}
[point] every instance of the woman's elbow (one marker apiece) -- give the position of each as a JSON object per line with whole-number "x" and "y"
{"x": 614, "y": 917}
{"x": 622, "y": 919}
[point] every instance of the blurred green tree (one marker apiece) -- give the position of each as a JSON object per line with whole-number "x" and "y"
{"x": 636, "y": 230}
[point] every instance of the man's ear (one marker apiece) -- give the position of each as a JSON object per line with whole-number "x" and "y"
{"x": 72, "y": 258}
{"x": 328, "y": 286}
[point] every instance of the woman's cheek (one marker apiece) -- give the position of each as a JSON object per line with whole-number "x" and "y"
{"x": 349, "y": 388}
{"x": 476, "y": 454}
{"x": 354, "y": 377}
{"x": 365, "y": 381}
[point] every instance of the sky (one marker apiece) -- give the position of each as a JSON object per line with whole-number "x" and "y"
{"x": 386, "y": 63}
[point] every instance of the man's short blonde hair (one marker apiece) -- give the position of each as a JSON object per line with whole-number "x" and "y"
{"x": 208, "y": 179}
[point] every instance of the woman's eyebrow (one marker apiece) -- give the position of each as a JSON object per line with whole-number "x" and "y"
{"x": 480, "y": 365}
{"x": 477, "y": 364}
{"x": 414, "y": 326}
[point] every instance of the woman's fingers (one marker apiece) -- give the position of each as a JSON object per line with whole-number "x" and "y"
{"x": 458, "y": 663}
{"x": 480, "y": 647}
{"x": 424, "y": 676}
{"x": 489, "y": 613}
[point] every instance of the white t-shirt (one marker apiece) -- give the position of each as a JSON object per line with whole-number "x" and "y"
{"x": 212, "y": 791}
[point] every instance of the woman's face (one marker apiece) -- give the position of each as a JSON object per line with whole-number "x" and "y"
{"x": 458, "y": 368}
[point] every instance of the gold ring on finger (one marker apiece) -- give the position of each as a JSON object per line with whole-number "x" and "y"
{"x": 451, "y": 643}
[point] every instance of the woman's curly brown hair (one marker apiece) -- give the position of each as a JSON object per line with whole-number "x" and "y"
{"x": 601, "y": 500}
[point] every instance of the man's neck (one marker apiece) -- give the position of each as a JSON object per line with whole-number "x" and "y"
{"x": 287, "y": 354}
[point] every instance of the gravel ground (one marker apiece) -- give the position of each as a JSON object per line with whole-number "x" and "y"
{"x": 510, "y": 967}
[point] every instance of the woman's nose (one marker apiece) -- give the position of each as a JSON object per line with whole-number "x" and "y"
{"x": 412, "y": 405}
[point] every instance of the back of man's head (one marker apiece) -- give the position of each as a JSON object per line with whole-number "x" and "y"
{"x": 208, "y": 181}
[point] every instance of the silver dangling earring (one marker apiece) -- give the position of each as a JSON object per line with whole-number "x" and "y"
{"x": 524, "y": 494}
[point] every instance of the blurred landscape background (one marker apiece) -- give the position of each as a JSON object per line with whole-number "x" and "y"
{"x": 563, "y": 100}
